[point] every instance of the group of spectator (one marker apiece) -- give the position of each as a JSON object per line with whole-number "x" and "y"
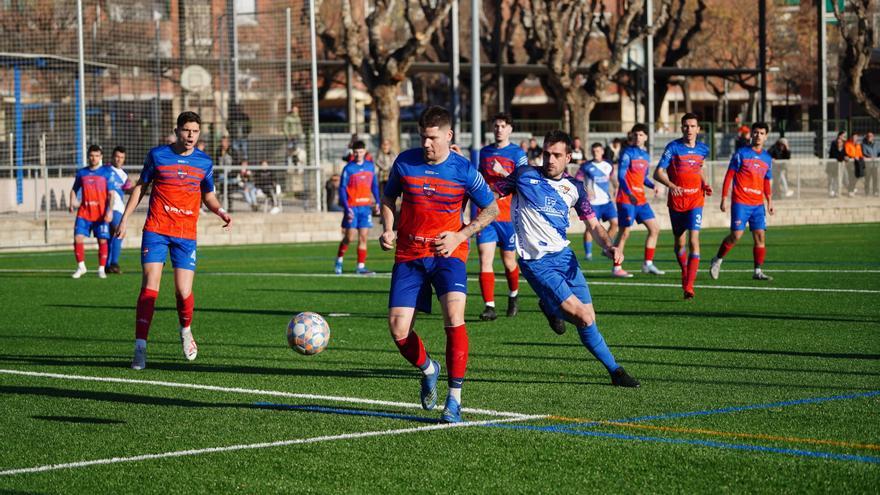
{"x": 853, "y": 159}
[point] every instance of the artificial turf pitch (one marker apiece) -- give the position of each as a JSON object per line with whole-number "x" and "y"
{"x": 743, "y": 389}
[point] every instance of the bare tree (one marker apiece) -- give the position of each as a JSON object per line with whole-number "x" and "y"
{"x": 382, "y": 44}
{"x": 858, "y": 42}
{"x": 676, "y": 29}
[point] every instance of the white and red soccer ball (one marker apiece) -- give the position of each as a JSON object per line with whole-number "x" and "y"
{"x": 308, "y": 333}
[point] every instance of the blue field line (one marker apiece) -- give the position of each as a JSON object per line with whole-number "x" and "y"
{"x": 725, "y": 410}
{"x": 701, "y": 443}
{"x": 348, "y": 412}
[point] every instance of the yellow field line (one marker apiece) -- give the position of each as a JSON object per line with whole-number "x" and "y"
{"x": 758, "y": 436}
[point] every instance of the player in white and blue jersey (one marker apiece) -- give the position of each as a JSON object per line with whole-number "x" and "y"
{"x": 596, "y": 175}
{"x": 118, "y": 184}
{"x": 542, "y": 198}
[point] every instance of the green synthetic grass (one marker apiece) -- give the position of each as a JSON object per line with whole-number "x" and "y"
{"x": 728, "y": 348}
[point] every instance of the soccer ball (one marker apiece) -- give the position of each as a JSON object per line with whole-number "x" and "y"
{"x": 308, "y": 333}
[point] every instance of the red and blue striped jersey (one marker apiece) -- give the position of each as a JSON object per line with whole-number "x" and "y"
{"x": 432, "y": 200}
{"x": 751, "y": 168}
{"x": 359, "y": 185}
{"x": 685, "y": 168}
{"x": 632, "y": 175}
{"x": 94, "y": 188}
{"x": 178, "y": 183}
{"x": 508, "y": 158}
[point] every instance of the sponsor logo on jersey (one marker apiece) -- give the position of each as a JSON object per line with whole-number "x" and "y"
{"x": 173, "y": 209}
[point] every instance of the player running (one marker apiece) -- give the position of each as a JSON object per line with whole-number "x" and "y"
{"x": 632, "y": 205}
{"x": 182, "y": 177}
{"x": 596, "y": 175}
{"x": 681, "y": 170}
{"x": 750, "y": 172}
{"x": 432, "y": 249}
{"x": 359, "y": 198}
{"x": 94, "y": 213}
{"x": 541, "y": 203}
{"x": 497, "y": 161}
{"x": 119, "y": 183}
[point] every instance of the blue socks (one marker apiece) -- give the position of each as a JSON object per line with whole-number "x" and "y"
{"x": 588, "y": 248}
{"x": 115, "y": 246}
{"x": 595, "y": 343}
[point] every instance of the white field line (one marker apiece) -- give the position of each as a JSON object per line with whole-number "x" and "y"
{"x": 234, "y": 390}
{"x": 265, "y": 445}
{"x": 500, "y": 280}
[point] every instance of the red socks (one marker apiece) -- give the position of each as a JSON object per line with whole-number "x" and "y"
{"x": 102, "y": 253}
{"x": 412, "y": 349}
{"x": 362, "y": 255}
{"x": 759, "y": 253}
{"x": 456, "y": 352}
{"x": 185, "y": 310}
{"x": 79, "y": 250}
{"x": 693, "y": 266}
{"x": 682, "y": 257}
{"x": 343, "y": 247}
{"x": 512, "y": 279}
{"x": 487, "y": 286}
{"x": 145, "y": 306}
{"x": 649, "y": 254}
{"x": 724, "y": 249}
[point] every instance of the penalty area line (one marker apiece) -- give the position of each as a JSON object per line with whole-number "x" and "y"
{"x": 235, "y": 390}
{"x": 264, "y": 445}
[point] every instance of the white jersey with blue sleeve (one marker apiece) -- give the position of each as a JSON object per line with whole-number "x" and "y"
{"x": 540, "y": 210}
{"x": 596, "y": 176}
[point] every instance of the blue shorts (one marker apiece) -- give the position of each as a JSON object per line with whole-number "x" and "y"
{"x": 686, "y": 220}
{"x": 84, "y": 227}
{"x": 555, "y": 277}
{"x": 155, "y": 247}
{"x": 605, "y": 212}
{"x": 411, "y": 281}
{"x": 627, "y": 214}
{"x": 753, "y": 214}
{"x": 362, "y": 218}
{"x": 500, "y": 233}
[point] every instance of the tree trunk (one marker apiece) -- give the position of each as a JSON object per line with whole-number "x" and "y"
{"x": 389, "y": 114}
{"x": 580, "y": 105}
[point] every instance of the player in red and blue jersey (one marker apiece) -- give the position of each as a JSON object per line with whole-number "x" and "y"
{"x": 434, "y": 182}
{"x": 751, "y": 175}
{"x": 95, "y": 210}
{"x": 182, "y": 178}
{"x": 632, "y": 204}
{"x": 681, "y": 170}
{"x": 497, "y": 161}
{"x": 359, "y": 198}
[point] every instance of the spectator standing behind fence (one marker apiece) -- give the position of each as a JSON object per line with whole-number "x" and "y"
{"x": 293, "y": 131}
{"x": 871, "y": 152}
{"x": 534, "y": 153}
{"x": 248, "y": 188}
{"x": 239, "y": 127}
{"x": 833, "y": 169}
{"x": 855, "y": 163}
{"x": 781, "y": 154}
{"x": 384, "y": 160}
{"x": 331, "y": 192}
{"x": 265, "y": 180}
{"x": 743, "y": 138}
{"x": 612, "y": 152}
{"x": 578, "y": 157}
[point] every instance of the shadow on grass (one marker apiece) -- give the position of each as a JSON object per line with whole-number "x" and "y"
{"x": 78, "y": 419}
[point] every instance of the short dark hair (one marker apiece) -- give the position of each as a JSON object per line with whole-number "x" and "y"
{"x": 358, "y": 145}
{"x": 506, "y": 117}
{"x": 119, "y": 149}
{"x": 187, "y": 117}
{"x": 690, "y": 116}
{"x": 639, "y": 128}
{"x": 558, "y": 136}
{"x": 435, "y": 116}
{"x": 95, "y": 147}
{"x": 761, "y": 125}
{"x": 597, "y": 144}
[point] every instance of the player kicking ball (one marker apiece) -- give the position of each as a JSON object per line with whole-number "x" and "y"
{"x": 681, "y": 170}
{"x": 750, "y": 172}
{"x": 431, "y": 250}
{"x": 182, "y": 178}
{"x": 359, "y": 197}
{"x": 497, "y": 161}
{"x": 94, "y": 213}
{"x": 542, "y": 198}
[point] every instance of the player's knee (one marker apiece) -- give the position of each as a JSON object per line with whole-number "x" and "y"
{"x": 398, "y": 325}
{"x": 587, "y": 316}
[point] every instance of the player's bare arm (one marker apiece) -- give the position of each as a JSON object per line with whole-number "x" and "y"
{"x": 605, "y": 242}
{"x": 108, "y": 209}
{"x": 71, "y": 208}
{"x": 137, "y": 194}
{"x": 213, "y": 204}
{"x": 448, "y": 241}
{"x": 662, "y": 177}
{"x": 388, "y": 236}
